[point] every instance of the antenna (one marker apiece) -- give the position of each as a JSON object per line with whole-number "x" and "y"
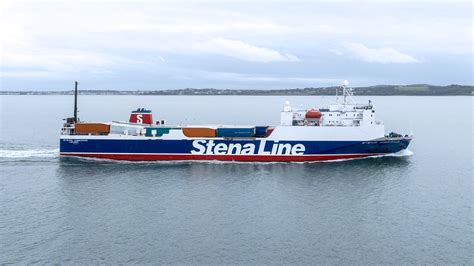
{"x": 75, "y": 101}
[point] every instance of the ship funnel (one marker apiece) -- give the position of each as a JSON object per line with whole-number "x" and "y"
{"x": 75, "y": 101}
{"x": 141, "y": 116}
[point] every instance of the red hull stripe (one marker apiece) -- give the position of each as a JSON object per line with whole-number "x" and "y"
{"x": 201, "y": 157}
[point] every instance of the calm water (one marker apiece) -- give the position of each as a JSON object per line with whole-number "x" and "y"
{"x": 415, "y": 209}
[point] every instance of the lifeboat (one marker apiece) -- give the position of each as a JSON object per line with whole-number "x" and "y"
{"x": 313, "y": 114}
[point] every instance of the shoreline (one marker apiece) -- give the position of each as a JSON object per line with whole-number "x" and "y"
{"x": 379, "y": 90}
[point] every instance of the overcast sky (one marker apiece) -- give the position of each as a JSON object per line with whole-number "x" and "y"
{"x": 235, "y": 45}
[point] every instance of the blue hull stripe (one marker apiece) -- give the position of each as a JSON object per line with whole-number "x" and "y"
{"x": 160, "y": 146}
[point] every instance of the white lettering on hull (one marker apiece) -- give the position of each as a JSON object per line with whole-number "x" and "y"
{"x": 209, "y": 147}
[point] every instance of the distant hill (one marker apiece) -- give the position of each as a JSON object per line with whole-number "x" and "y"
{"x": 383, "y": 90}
{"x": 415, "y": 89}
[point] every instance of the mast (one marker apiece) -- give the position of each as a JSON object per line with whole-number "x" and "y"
{"x": 75, "y": 102}
{"x": 346, "y": 91}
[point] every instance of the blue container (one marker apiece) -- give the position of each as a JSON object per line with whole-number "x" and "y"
{"x": 241, "y": 132}
{"x": 261, "y": 131}
{"x": 157, "y": 131}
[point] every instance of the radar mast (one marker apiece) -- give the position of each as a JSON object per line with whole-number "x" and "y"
{"x": 347, "y": 92}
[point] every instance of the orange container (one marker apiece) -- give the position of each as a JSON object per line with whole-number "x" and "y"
{"x": 199, "y": 132}
{"x": 92, "y": 128}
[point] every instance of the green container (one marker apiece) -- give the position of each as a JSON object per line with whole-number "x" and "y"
{"x": 158, "y": 131}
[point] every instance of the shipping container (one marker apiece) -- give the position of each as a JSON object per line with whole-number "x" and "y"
{"x": 261, "y": 131}
{"x": 235, "y": 132}
{"x": 157, "y": 131}
{"x": 92, "y": 128}
{"x": 199, "y": 132}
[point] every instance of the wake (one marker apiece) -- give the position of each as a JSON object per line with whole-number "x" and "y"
{"x": 51, "y": 153}
{"x": 37, "y": 153}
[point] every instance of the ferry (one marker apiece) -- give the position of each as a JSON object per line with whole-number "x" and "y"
{"x": 343, "y": 130}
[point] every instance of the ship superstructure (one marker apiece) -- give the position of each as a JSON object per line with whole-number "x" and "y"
{"x": 342, "y": 130}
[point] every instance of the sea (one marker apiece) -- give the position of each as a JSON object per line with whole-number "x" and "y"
{"x": 415, "y": 208}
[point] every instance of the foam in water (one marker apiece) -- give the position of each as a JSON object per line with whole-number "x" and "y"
{"x": 402, "y": 153}
{"x": 28, "y": 153}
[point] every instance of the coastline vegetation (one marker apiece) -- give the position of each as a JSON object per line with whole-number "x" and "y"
{"x": 378, "y": 90}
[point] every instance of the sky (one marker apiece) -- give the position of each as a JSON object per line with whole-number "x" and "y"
{"x": 155, "y": 45}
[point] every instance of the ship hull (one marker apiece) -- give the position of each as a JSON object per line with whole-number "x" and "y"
{"x": 255, "y": 150}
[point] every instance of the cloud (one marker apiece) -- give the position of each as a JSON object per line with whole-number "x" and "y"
{"x": 222, "y": 27}
{"x": 54, "y": 60}
{"x": 380, "y": 55}
{"x": 244, "y": 51}
{"x": 335, "y": 51}
{"x": 149, "y": 39}
{"x": 242, "y": 77}
{"x": 234, "y": 48}
{"x": 29, "y": 74}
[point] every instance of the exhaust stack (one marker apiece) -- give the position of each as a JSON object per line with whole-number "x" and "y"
{"x": 141, "y": 116}
{"x": 75, "y": 102}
